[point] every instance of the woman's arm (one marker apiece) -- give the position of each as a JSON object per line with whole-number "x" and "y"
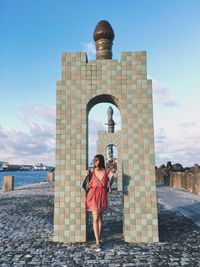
{"x": 88, "y": 171}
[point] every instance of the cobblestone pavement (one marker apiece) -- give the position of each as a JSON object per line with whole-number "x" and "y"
{"x": 26, "y": 228}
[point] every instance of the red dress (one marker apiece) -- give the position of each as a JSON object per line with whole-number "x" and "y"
{"x": 97, "y": 198}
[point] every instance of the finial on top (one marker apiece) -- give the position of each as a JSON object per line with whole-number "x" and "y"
{"x": 103, "y": 36}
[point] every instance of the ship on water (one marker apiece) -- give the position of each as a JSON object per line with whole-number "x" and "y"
{"x": 5, "y": 166}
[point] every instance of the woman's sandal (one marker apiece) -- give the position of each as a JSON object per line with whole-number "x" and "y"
{"x": 98, "y": 247}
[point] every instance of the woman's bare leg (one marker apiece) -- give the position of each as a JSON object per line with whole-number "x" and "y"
{"x": 95, "y": 217}
{"x": 100, "y": 222}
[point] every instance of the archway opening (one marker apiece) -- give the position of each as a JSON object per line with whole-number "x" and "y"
{"x": 97, "y": 119}
{"x": 98, "y": 129}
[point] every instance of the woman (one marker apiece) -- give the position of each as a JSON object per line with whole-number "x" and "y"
{"x": 97, "y": 199}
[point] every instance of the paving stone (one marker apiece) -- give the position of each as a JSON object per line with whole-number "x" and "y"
{"x": 26, "y": 227}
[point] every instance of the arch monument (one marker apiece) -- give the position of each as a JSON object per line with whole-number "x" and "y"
{"x": 84, "y": 84}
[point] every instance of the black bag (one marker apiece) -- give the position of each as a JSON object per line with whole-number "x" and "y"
{"x": 111, "y": 181}
{"x": 86, "y": 182}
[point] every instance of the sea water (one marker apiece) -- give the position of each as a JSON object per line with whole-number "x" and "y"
{"x": 25, "y": 177}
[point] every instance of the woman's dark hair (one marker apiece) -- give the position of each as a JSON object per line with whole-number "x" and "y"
{"x": 101, "y": 161}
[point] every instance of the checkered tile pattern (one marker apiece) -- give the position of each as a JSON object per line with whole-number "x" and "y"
{"x": 123, "y": 83}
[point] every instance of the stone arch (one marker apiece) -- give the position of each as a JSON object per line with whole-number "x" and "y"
{"x": 100, "y": 99}
{"x": 125, "y": 84}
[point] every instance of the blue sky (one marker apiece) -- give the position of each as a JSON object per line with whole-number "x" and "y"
{"x": 34, "y": 33}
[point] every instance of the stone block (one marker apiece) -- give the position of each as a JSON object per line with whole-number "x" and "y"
{"x": 197, "y": 184}
{"x": 7, "y": 183}
{"x": 189, "y": 181}
{"x": 50, "y": 177}
{"x": 186, "y": 180}
{"x": 175, "y": 179}
{"x": 183, "y": 182}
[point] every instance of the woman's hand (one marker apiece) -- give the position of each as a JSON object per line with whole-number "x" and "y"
{"x": 111, "y": 174}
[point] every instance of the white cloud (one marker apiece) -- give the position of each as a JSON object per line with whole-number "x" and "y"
{"x": 187, "y": 124}
{"x": 36, "y": 145}
{"x": 180, "y": 145}
{"x": 162, "y": 95}
{"x": 90, "y": 49}
{"x": 37, "y": 113}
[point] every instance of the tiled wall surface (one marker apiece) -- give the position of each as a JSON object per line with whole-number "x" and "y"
{"x": 123, "y": 83}
{"x": 104, "y": 140}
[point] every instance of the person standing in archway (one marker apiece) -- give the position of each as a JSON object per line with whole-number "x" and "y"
{"x": 97, "y": 198}
{"x": 167, "y": 171}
